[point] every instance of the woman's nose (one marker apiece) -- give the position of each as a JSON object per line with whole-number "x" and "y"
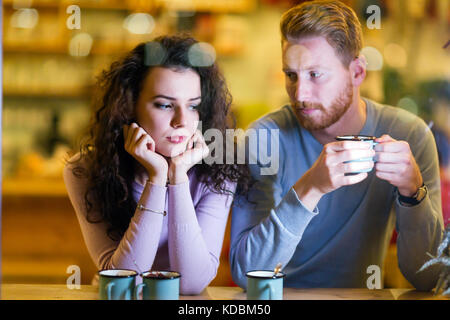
{"x": 179, "y": 119}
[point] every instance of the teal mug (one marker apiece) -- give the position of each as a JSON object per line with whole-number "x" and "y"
{"x": 264, "y": 285}
{"x": 367, "y": 139}
{"x": 159, "y": 285}
{"x": 116, "y": 284}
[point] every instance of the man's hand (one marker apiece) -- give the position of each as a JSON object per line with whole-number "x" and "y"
{"x": 328, "y": 173}
{"x": 396, "y": 164}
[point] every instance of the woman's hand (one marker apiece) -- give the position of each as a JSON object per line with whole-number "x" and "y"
{"x": 196, "y": 150}
{"x": 141, "y": 146}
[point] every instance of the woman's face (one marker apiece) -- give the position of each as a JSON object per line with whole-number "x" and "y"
{"x": 167, "y": 108}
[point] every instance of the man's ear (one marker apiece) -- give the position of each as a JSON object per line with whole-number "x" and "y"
{"x": 358, "y": 70}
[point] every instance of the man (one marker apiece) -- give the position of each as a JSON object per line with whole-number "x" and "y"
{"x": 326, "y": 226}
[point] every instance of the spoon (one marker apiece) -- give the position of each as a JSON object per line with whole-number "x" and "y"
{"x": 277, "y": 269}
{"x": 140, "y": 272}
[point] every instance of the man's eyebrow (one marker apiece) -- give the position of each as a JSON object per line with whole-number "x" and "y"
{"x": 316, "y": 66}
{"x": 172, "y": 98}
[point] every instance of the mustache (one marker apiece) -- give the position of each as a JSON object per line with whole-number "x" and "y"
{"x": 307, "y": 105}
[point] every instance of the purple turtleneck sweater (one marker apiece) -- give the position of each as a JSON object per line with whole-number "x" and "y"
{"x": 187, "y": 240}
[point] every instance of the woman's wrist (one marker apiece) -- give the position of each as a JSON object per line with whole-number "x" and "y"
{"x": 158, "y": 178}
{"x": 177, "y": 175}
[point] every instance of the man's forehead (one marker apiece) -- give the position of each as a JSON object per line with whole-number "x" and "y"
{"x": 308, "y": 53}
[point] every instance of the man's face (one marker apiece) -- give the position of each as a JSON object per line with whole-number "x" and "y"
{"x": 317, "y": 82}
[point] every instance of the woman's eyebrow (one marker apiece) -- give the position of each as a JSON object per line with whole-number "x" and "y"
{"x": 172, "y": 98}
{"x": 164, "y": 97}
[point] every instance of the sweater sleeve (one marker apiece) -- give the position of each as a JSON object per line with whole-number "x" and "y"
{"x": 141, "y": 239}
{"x": 268, "y": 223}
{"x": 420, "y": 227}
{"x": 195, "y": 234}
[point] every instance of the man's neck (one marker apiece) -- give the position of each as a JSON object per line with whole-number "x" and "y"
{"x": 351, "y": 123}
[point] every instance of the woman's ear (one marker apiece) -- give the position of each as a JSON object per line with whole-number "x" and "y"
{"x": 358, "y": 70}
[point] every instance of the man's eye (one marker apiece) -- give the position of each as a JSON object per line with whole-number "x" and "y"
{"x": 292, "y": 76}
{"x": 314, "y": 74}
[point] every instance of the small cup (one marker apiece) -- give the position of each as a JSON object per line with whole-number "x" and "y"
{"x": 159, "y": 285}
{"x": 367, "y": 139}
{"x": 116, "y": 284}
{"x": 264, "y": 285}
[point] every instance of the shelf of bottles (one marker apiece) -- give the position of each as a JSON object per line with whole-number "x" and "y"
{"x": 53, "y": 51}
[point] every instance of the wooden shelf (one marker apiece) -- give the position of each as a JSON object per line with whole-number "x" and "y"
{"x": 35, "y": 47}
{"x": 87, "y": 4}
{"x": 216, "y": 6}
{"x": 51, "y": 187}
{"x": 37, "y": 4}
{"x": 63, "y": 93}
{"x": 99, "y": 47}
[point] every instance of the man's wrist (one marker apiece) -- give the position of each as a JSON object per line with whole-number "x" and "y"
{"x": 414, "y": 199}
{"x": 307, "y": 194}
{"x": 411, "y": 189}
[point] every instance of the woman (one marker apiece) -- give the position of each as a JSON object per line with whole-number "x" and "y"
{"x": 141, "y": 196}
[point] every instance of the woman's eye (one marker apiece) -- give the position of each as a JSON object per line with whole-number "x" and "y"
{"x": 194, "y": 107}
{"x": 162, "y": 105}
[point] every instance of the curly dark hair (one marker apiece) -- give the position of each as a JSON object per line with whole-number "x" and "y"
{"x": 108, "y": 167}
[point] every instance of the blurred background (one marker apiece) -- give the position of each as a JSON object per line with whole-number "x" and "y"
{"x": 53, "y": 51}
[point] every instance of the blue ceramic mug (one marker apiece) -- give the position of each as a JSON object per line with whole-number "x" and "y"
{"x": 264, "y": 285}
{"x": 159, "y": 285}
{"x": 116, "y": 284}
{"x": 367, "y": 139}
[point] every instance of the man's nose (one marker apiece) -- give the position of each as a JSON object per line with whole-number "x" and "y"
{"x": 302, "y": 90}
{"x": 179, "y": 119}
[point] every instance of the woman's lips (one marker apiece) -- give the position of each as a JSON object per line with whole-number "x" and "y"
{"x": 176, "y": 139}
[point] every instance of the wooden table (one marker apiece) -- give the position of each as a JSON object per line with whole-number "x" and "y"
{"x": 87, "y": 292}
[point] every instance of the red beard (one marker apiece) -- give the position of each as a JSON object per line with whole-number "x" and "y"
{"x": 324, "y": 117}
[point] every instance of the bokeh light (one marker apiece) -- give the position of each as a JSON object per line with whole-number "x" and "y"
{"x": 25, "y": 18}
{"x": 139, "y": 23}
{"x": 395, "y": 55}
{"x": 154, "y": 53}
{"x": 202, "y": 54}
{"x": 80, "y": 45}
{"x": 374, "y": 58}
